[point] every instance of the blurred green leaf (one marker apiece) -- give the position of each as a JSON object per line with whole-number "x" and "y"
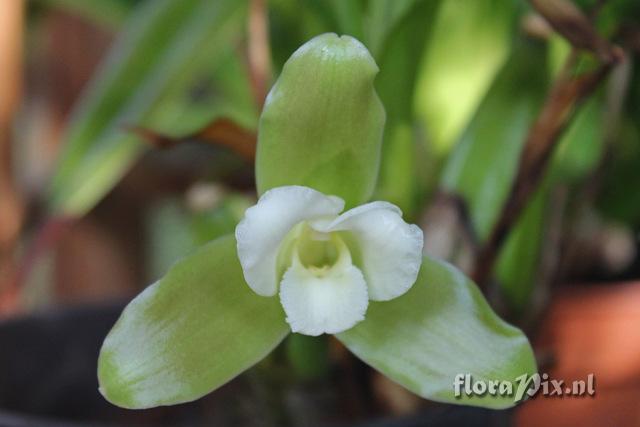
{"x": 441, "y": 328}
{"x": 471, "y": 41}
{"x": 210, "y": 224}
{"x": 382, "y": 16}
{"x": 405, "y": 166}
{"x": 616, "y": 14}
{"x": 174, "y": 231}
{"x": 519, "y": 259}
{"x": 582, "y": 145}
{"x": 167, "y": 47}
{"x": 292, "y": 23}
{"x": 399, "y": 56}
{"x": 579, "y": 151}
{"x": 623, "y": 175}
{"x": 483, "y": 165}
{"x": 217, "y": 86}
{"x": 557, "y": 54}
{"x": 348, "y": 16}
{"x": 169, "y": 237}
{"x": 322, "y": 122}
{"x": 189, "y": 333}
{"x": 621, "y": 169}
{"x": 399, "y": 183}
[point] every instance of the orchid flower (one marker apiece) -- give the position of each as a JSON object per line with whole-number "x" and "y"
{"x": 327, "y": 266}
{"x": 299, "y": 263}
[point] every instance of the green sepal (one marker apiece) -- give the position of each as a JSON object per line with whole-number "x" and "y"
{"x": 189, "y": 333}
{"x": 322, "y": 122}
{"x": 443, "y": 327}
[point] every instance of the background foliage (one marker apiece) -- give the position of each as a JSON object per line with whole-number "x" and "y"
{"x": 165, "y": 127}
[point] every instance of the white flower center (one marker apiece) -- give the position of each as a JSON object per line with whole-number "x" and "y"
{"x": 318, "y": 251}
{"x": 295, "y": 241}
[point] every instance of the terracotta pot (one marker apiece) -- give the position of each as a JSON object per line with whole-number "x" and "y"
{"x": 591, "y": 330}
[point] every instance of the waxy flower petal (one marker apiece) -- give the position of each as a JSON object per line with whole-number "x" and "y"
{"x": 390, "y": 249}
{"x": 330, "y": 265}
{"x": 318, "y": 302}
{"x": 266, "y": 224}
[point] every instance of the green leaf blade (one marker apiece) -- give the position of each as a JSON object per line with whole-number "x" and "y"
{"x": 133, "y": 56}
{"x": 165, "y": 49}
{"x": 441, "y": 328}
{"x": 518, "y": 264}
{"x": 495, "y": 136}
{"x": 322, "y": 123}
{"x": 470, "y": 41}
{"x": 189, "y": 333}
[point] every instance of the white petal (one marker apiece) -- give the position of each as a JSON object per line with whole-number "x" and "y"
{"x": 391, "y": 249}
{"x": 265, "y": 225}
{"x": 331, "y": 303}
